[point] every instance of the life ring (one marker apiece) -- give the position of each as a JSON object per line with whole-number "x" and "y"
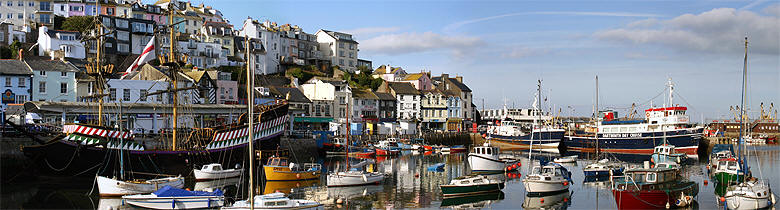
{"x": 647, "y": 114}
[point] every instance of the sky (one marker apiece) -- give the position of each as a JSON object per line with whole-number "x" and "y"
{"x": 501, "y": 48}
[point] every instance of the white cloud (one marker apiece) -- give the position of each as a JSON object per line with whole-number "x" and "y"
{"x": 371, "y": 30}
{"x": 718, "y": 30}
{"x": 643, "y": 23}
{"x": 456, "y": 25}
{"x": 404, "y": 43}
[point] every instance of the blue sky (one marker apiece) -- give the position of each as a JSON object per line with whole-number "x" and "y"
{"x": 502, "y": 47}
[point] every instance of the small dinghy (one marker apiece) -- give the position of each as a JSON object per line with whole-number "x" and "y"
{"x": 174, "y": 198}
{"x": 276, "y": 201}
{"x": 566, "y": 159}
{"x": 215, "y": 171}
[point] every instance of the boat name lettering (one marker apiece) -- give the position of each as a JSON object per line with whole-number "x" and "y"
{"x": 621, "y": 135}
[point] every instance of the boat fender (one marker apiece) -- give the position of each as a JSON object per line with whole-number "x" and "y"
{"x": 565, "y": 183}
{"x": 772, "y": 198}
{"x": 365, "y": 179}
{"x": 298, "y": 176}
{"x": 706, "y": 182}
{"x": 722, "y": 199}
{"x": 541, "y": 200}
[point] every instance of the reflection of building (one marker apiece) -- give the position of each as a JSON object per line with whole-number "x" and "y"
{"x": 16, "y": 81}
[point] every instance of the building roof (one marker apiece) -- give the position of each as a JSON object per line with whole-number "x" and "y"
{"x": 383, "y": 70}
{"x": 460, "y": 85}
{"x": 53, "y": 33}
{"x": 403, "y": 88}
{"x": 434, "y": 91}
{"x": 415, "y": 76}
{"x": 295, "y": 94}
{"x": 50, "y": 65}
{"x": 271, "y": 81}
{"x": 330, "y": 80}
{"x": 385, "y": 96}
{"x": 363, "y": 94}
{"x": 15, "y": 67}
{"x": 196, "y": 75}
{"x": 333, "y": 34}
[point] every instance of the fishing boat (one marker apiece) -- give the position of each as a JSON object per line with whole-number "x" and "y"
{"x": 362, "y": 152}
{"x": 512, "y": 134}
{"x": 729, "y": 171}
{"x": 652, "y": 188}
{"x": 551, "y": 178}
{"x": 602, "y": 168}
{"x": 566, "y": 159}
{"x": 469, "y": 185}
{"x": 275, "y": 201}
{"x": 281, "y": 169}
{"x": 667, "y": 153}
{"x": 642, "y": 136}
{"x": 458, "y": 149}
{"x": 388, "y": 147}
{"x": 486, "y": 158}
{"x": 215, "y": 171}
{"x": 720, "y": 151}
{"x": 751, "y": 193}
{"x": 174, "y": 198}
{"x": 334, "y": 146}
{"x": 110, "y": 187}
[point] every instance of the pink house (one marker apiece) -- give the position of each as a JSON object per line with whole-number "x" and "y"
{"x": 420, "y": 81}
{"x": 227, "y": 89}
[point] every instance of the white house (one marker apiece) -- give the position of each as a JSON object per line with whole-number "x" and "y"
{"x": 67, "y": 42}
{"x": 15, "y": 79}
{"x": 329, "y": 97}
{"x": 267, "y": 33}
{"x": 389, "y": 73}
{"x": 53, "y": 80}
{"x": 203, "y": 54}
{"x": 365, "y": 106}
{"x": 9, "y": 33}
{"x": 340, "y": 48}
{"x": 408, "y": 107}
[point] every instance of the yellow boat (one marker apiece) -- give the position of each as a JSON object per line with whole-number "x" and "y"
{"x": 280, "y": 169}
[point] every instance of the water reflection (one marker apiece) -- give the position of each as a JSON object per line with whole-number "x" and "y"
{"x": 558, "y": 201}
{"x": 472, "y": 202}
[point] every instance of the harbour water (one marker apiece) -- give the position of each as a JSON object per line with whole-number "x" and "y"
{"x": 409, "y": 185}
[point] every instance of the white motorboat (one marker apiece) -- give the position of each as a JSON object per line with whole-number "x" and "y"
{"x": 114, "y": 187}
{"x": 486, "y": 158}
{"x": 215, "y": 171}
{"x": 175, "y": 198}
{"x": 354, "y": 178}
{"x": 752, "y": 194}
{"x": 602, "y": 168}
{"x": 548, "y": 179}
{"x": 222, "y": 184}
{"x": 566, "y": 159}
{"x": 276, "y": 201}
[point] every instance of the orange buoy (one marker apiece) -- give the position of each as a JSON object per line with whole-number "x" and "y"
{"x": 417, "y": 175}
{"x": 541, "y": 200}
{"x": 565, "y": 199}
{"x": 565, "y": 183}
{"x": 298, "y": 176}
{"x": 706, "y": 182}
{"x": 519, "y": 164}
{"x": 722, "y": 199}
{"x": 508, "y": 168}
{"x": 188, "y": 189}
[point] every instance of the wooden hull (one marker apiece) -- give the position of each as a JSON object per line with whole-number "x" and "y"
{"x": 111, "y": 187}
{"x": 283, "y": 173}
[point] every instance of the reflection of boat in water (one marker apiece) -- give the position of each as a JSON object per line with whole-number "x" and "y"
{"x": 222, "y": 184}
{"x": 109, "y": 203}
{"x": 287, "y": 186}
{"x": 557, "y": 201}
{"x": 354, "y": 191}
{"x": 472, "y": 201}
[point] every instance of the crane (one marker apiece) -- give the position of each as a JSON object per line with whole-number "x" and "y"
{"x": 734, "y": 111}
{"x": 632, "y": 112}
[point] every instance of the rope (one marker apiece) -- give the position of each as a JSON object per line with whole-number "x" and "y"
{"x": 72, "y": 157}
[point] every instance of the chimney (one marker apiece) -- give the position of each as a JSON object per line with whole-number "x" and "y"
{"x": 459, "y": 78}
{"x": 444, "y": 76}
{"x": 21, "y": 57}
{"x": 287, "y": 96}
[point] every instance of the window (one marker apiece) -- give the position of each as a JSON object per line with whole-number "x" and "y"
{"x": 341, "y": 61}
{"x": 8, "y": 81}
{"x": 126, "y": 94}
{"x": 351, "y": 63}
{"x": 63, "y": 87}
{"x": 20, "y": 3}
{"x": 10, "y": 3}
{"x": 45, "y": 18}
{"x": 64, "y": 74}
{"x": 121, "y": 23}
{"x": 22, "y": 82}
{"x": 351, "y": 55}
{"x": 123, "y": 47}
{"x": 112, "y": 94}
{"x": 123, "y": 35}
{"x": 230, "y": 93}
{"x": 341, "y": 45}
{"x": 341, "y": 53}
{"x": 31, "y": 4}
{"x": 20, "y": 16}
{"x": 351, "y": 46}
{"x": 9, "y": 16}
{"x": 42, "y": 87}
{"x": 142, "y": 96}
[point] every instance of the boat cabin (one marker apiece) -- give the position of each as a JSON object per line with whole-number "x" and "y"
{"x": 548, "y": 170}
{"x": 664, "y": 149}
{"x": 728, "y": 164}
{"x": 486, "y": 151}
{"x": 212, "y": 167}
{"x": 655, "y": 175}
{"x": 667, "y": 115}
{"x": 278, "y": 161}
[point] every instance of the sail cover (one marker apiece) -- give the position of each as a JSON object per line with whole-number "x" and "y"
{"x": 169, "y": 191}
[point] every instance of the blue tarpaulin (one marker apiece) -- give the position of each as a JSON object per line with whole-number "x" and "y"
{"x": 169, "y": 191}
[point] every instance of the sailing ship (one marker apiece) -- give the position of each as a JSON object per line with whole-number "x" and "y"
{"x": 642, "y": 136}
{"x": 82, "y": 148}
{"x": 751, "y": 193}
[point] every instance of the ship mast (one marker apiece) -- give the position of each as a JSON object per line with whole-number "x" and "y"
{"x": 174, "y": 73}
{"x": 250, "y": 100}
{"x": 597, "y": 116}
{"x": 743, "y": 116}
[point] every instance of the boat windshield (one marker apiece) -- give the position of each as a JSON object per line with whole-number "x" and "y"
{"x": 732, "y": 165}
{"x": 536, "y": 170}
{"x": 216, "y": 168}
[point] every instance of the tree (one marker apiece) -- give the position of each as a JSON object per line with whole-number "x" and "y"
{"x": 14, "y": 47}
{"x": 81, "y": 24}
